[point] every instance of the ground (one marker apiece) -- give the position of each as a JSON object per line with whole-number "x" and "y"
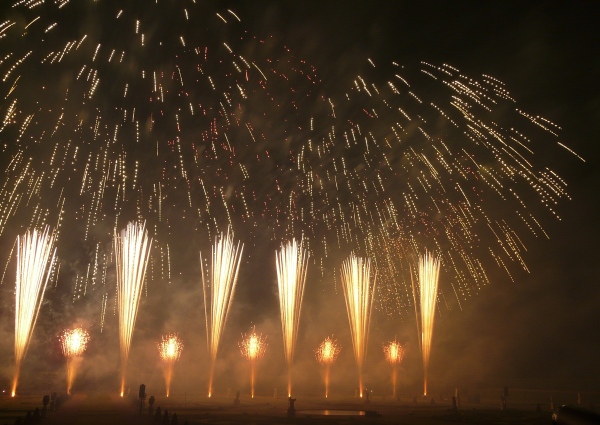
{"x": 101, "y": 409}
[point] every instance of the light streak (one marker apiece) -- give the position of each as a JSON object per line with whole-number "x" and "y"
{"x": 35, "y": 255}
{"x": 253, "y": 347}
{"x": 292, "y": 264}
{"x": 73, "y": 343}
{"x": 359, "y": 292}
{"x": 218, "y": 289}
{"x": 132, "y": 250}
{"x": 394, "y": 353}
{"x": 169, "y": 349}
{"x": 429, "y": 271}
{"x": 326, "y": 355}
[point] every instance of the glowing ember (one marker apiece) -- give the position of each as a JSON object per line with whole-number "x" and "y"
{"x": 253, "y": 347}
{"x": 429, "y": 271}
{"x": 292, "y": 264}
{"x": 35, "y": 254}
{"x": 218, "y": 292}
{"x": 73, "y": 343}
{"x": 359, "y": 293}
{"x": 326, "y": 354}
{"x": 169, "y": 349}
{"x": 394, "y": 353}
{"x": 132, "y": 250}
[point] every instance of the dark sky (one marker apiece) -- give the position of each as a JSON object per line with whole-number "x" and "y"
{"x": 540, "y": 330}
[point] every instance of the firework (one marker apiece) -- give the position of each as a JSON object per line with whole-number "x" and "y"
{"x": 292, "y": 263}
{"x": 132, "y": 249}
{"x": 218, "y": 289}
{"x": 394, "y": 353}
{"x": 359, "y": 292}
{"x": 253, "y": 347}
{"x": 326, "y": 355}
{"x": 429, "y": 271}
{"x": 35, "y": 255}
{"x": 169, "y": 349}
{"x": 187, "y": 111}
{"x": 73, "y": 343}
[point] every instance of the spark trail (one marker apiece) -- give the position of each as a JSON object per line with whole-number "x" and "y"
{"x": 218, "y": 289}
{"x": 73, "y": 343}
{"x": 429, "y": 272}
{"x": 132, "y": 250}
{"x": 326, "y": 355}
{"x": 359, "y": 292}
{"x": 253, "y": 347}
{"x": 169, "y": 350}
{"x": 292, "y": 264}
{"x": 394, "y": 353}
{"x": 35, "y": 256}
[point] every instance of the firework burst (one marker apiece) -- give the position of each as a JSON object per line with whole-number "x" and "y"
{"x": 35, "y": 256}
{"x": 73, "y": 343}
{"x": 218, "y": 289}
{"x": 326, "y": 354}
{"x": 292, "y": 264}
{"x": 394, "y": 353}
{"x": 169, "y": 349}
{"x": 429, "y": 271}
{"x": 132, "y": 249}
{"x": 253, "y": 347}
{"x": 359, "y": 291}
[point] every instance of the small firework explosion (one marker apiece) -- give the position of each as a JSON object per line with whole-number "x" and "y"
{"x": 253, "y": 347}
{"x": 326, "y": 354}
{"x": 73, "y": 343}
{"x": 394, "y": 353}
{"x": 169, "y": 349}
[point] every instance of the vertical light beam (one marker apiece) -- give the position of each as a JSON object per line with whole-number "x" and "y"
{"x": 429, "y": 272}
{"x": 326, "y": 355}
{"x": 132, "y": 250}
{"x": 394, "y": 353}
{"x": 253, "y": 347}
{"x": 218, "y": 289}
{"x": 359, "y": 292}
{"x": 35, "y": 255}
{"x": 292, "y": 264}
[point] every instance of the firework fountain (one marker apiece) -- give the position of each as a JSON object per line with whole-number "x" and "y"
{"x": 35, "y": 255}
{"x": 253, "y": 347}
{"x": 326, "y": 355}
{"x": 132, "y": 249}
{"x": 73, "y": 343}
{"x": 218, "y": 289}
{"x": 292, "y": 264}
{"x": 359, "y": 292}
{"x": 169, "y": 349}
{"x": 394, "y": 353}
{"x": 429, "y": 271}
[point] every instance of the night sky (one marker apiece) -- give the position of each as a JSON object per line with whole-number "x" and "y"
{"x": 536, "y": 330}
